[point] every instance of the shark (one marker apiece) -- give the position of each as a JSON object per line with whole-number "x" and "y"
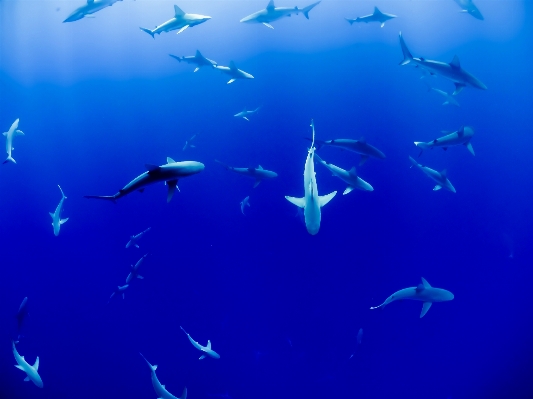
{"x": 32, "y": 373}
{"x": 377, "y": 16}
{"x": 311, "y": 202}
{"x": 234, "y": 72}
{"x": 134, "y": 273}
{"x": 181, "y": 21}
{"x": 133, "y": 239}
{"x": 350, "y": 177}
{"x": 423, "y": 292}
{"x": 452, "y": 71}
{"x": 160, "y": 389}
{"x": 188, "y": 143}
{"x": 449, "y": 98}
{"x": 360, "y": 147}
{"x": 244, "y": 203}
{"x": 257, "y": 173}
{"x": 87, "y": 10}
{"x": 438, "y": 177}
{"x": 119, "y": 291}
{"x": 9, "y": 135}
{"x": 207, "y": 351}
{"x": 244, "y": 114}
{"x": 468, "y": 6}
{"x": 272, "y": 13}
{"x": 169, "y": 173}
{"x": 56, "y": 216}
{"x": 460, "y": 137}
{"x": 198, "y": 59}
{"x": 21, "y": 316}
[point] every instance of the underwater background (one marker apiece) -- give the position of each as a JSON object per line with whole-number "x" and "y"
{"x": 98, "y": 98}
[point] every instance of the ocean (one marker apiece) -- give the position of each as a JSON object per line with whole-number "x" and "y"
{"x": 98, "y": 99}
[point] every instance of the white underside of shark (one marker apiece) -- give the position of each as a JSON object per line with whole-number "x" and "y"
{"x": 423, "y": 292}
{"x": 207, "y": 351}
{"x": 56, "y": 216}
{"x": 32, "y": 373}
{"x": 311, "y": 202}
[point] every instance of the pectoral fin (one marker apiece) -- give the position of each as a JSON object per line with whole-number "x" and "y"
{"x": 470, "y": 148}
{"x": 299, "y": 202}
{"x": 231, "y": 81}
{"x": 348, "y": 190}
{"x": 268, "y": 25}
{"x": 201, "y": 357}
{"x": 182, "y": 29}
{"x": 171, "y": 184}
{"x": 324, "y": 199}
{"x": 257, "y": 181}
{"x": 425, "y": 308}
{"x": 437, "y": 187}
{"x": 63, "y": 221}
{"x": 363, "y": 159}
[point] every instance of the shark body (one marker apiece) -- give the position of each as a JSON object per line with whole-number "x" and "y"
{"x": 10, "y": 135}
{"x": 360, "y": 147}
{"x": 135, "y": 238}
{"x": 348, "y": 176}
{"x": 32, "y": 372}
{"x": 207, "y": 351}
{"x": 244, "y": 114}
{"x": 272, "y": 13}
{"x": 181, "y": 21}
{"x": 134, "y": 273}
{"x": 460, "y": 137}
{"x": 234, "y": 72}
{"x": 87, "y": 10}
{"x": 259, "y": 174}
{"x": 160, "y": 389}
{"x": 56, "y": 216}
{"x": 244, "y": 203}
{"x": 468, "y": 6}
{"x": 438, "y": 177}
{"x": 376, "y": 16}
{"x": 198, "y": 59}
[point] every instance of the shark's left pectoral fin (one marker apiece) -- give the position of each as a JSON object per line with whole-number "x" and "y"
{"x": 382, "y": 24}
{"x": 231, "y": 81}
{"x": 19, "y": 367}
{"x": 63, "y": 221}
{"x": 19, "y": 133}
{"x": 257, "y": 181}
{"x": 425, "y": 308}
{"x": 348, "y": 190}
{"x": 437, "y": 187}
{"x": 171, "y": 184}
{"x": 268, "y": 25}
{"x": 182, "y": 29}
{"x": 27, "y": 379}
{"x": 208, "y": 344}
{"x": 36, "y": 365}
{"x": 201, "y": 357}
{"x": 458, "y": 88}
{"x": 470, "y": 148}
{"x": 324, "y": 199}
{"x": 196, "y": 69}
{"x": 299, "y": 202}
{"x": 244, "y": 117}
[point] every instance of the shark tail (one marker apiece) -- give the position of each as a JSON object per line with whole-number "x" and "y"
{"x": 10, "y": 159}
{"x": 151, "y": 33}
{"x": 351, "y": 21}
{"x": 104, "y": 197}
{"x": 407, "y": 57}
{"x": 306, "y": 10}
{"x": 173, "y": 56}
{"x": 318, "y": 143}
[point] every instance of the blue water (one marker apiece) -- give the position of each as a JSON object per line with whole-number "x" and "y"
{"x": 98, "y": 98}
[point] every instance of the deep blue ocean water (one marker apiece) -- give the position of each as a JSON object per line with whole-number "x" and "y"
{"x": 98, "y": 98}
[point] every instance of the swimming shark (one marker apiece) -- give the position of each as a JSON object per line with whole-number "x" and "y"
{"x": 205, "y": 349}
{"x": 234, "y": 72}
{"x": 423, "y": 292}
{"x": 450, "y": 98}
{"x": 119, "y": 291}
{"x": 459, "y": 137}
{"x": 452, "y": 71}
{"x": 180, "y": 21}
{"x": 244, "y": 114}
{"x": 244, "y": 203}
{"x": 10, "y": 134}
{"x": 346, "y": 176}
{"x": 135, "y": 271}
{"x": 159, "y": 389}
{"x": 377, "y": 16}
{"x": 311, "y": 202}
{"x": 31, "y": 371}
{"x": 469, "y": 7}
{"x": 86, "y": 10}
{"x": 133, "y": 239}
{"x": 272, "y": 13}
{"x": 188, "y": 143}
{"x": 21, "y": 316}
{"x": 169, "y": 173}
{"x": 56, "y": 216}
{"x": 198, "y": 59}
{"x": 358, "y": 146}
{"x": 439, "y": 178}
{"x": 257, "y": 173}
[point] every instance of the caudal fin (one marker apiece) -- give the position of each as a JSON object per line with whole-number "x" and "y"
{"x": 407, "y": 57}
{"x": 104, "y": 197}
{"x": 10, "y": 159}
{"x": 148, "y": 31}
{"x": 306, "y": 10}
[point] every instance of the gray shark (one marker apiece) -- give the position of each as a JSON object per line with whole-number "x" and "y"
{"x": 234, "y": 72}
{"x": 32, "y": 373}
{"x": 21, "y": 316}
{"x": 205, "y": 349}
{"x": 133, "y": 239}
{"x": 377, "y": 16}
{"x": 453, "y": 71}
{"x": 87, "y": 10}
{"x": 159, "y": 389}
{"x": 198, "y": 59}
{"x": 257, "y": 173}
{"x": 244, "y": 203}
{"x": 56, "y": 216}
{"x": 180, "y": 21}
{"x": 272, "y": 13}
{"x": 459, "y": 137}
{"x": 438, "y": 177}
{"x": 423, "y": 292}
{"x": 469, "y": 7}
{"x": 350, "y": 177}
{"x": 135, "y": 271}
{"x": 169, "y": 173}
{"x": 244, "y": 114}
{"x": 189, "y": 144}
{"x": 9, "y": 135}
{"x": 119, "y": 291}
{"x": 449, "y": 98}
{"x": 311, "y": 202}
{"x": 358, "y": 146}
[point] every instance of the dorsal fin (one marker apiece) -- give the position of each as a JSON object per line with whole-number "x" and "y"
{"x": 443, "y": 173}
{"x": 376, "y": 11}
{"x": 353, "y": 171}
{"x": 170, "y": 160}
{"x": 425, "y": 284}
{"x": 178, "y": 12}
{"x": 461, "y": 131}
{"x": 151, "y": 168}
{"x": 362, "y": 140}
{"x": 271, "y": 4}
{"x": 232, "y": 65}
{"x": 455, "y": 62}
{"x": 260, "y": 167}
{"x": 198, "y": 54}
